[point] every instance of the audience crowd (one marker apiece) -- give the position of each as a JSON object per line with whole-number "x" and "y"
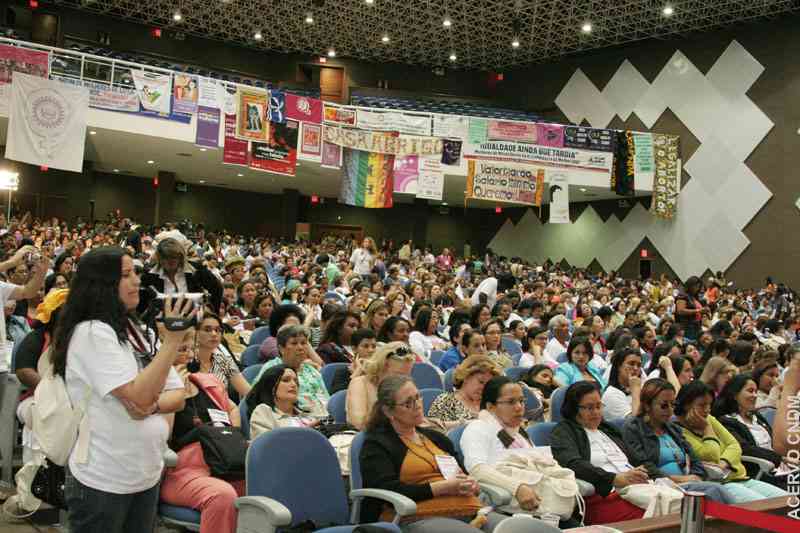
{"x": 633, "y": 382}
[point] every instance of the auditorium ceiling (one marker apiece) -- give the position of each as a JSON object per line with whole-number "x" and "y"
{"x": 481, "y": 34}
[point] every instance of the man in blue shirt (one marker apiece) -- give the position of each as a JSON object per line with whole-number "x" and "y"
{"x": 453, "y": 357}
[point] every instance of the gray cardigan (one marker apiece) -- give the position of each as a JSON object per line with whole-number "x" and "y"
{"x": 645, "y": 448}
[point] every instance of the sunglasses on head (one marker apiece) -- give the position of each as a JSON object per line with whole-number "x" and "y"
{"x": 399, "y": 352}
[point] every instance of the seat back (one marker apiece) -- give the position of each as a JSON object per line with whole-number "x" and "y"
{"x": 516, "y": 372}
{"x": 251, "y": 355}
{"x": 436, "y": 356}
{"x": 298, "y": 467}
{"x": 617, "y": 422}
{"x": 519, "y": 523}
{"x": 455, "y": 437}
{"x": 258, "y": 336}
{"x": 556, "y": 400}
{"x": 428, "y": 396}
{"x": 337, "y": 407}
{"x": 562, "y": 358}
{"x": 448, "y": 380}
{"x": 511, "y": 346}
{"x": 533, "y": 406}
{"x": 244, "y": 415}
{"x": 769, "y": 415}
{"x": 328, "y": 372}
{"x": 251, "y": 373}
{"x": 540, "y": 433}
{"x": 356, "y": 479}
{"x": 426, "y": 376}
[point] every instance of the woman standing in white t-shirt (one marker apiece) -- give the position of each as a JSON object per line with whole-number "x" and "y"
{"x": 114, "y": 487}
{"x": 363, "y": 259}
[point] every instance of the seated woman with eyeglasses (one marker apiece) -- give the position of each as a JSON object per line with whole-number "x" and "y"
{"x": 214, "y": 359}
{"x": 462, "y": 405}
{"x": 657, "y": 443}
{"x": 595, "y": 451}
{"x": 716, "y": 447}
{"x": 499, "y": 428}
{"x": 394, "y": 358}
{"x": 419, "y": 463}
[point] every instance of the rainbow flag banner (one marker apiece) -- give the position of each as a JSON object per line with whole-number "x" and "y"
{"x": 367, "y": 179}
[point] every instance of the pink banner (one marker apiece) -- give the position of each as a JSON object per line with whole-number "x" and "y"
{"x": 331, "y": 155}
{"x": 15, "y": 59}
{"x": 234, "y": 151}
{"x": 310, "y": 141}
{"x": 303, "y": 108}
{"x": 406, "y": 172}
{"x": 550, "y": 135}
{"x": 502, "y": 130}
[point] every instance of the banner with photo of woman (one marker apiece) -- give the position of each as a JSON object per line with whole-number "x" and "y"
{"x": 251, "y": 116}
{"x": 279, "y": 154}
{"x": 184, "y": 94}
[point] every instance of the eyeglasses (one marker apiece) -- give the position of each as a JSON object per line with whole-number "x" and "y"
{"x": 591, "y": 407}
{"x": 411, "y": 403}
{"x": 211, "y": 329}
{"x": 667, "y": 405}
{"x": 512, "y": 402}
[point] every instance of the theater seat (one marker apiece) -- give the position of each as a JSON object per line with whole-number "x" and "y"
{"x": 183, "y": 517}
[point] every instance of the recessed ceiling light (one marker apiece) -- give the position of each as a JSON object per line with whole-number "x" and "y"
{"x": 331, "y": 53}
{"x": 583, "y": 189}
{"x": 586, "y": 28}
{"x": 116, "y": 170}
{"x": 177, "y": 17}
{"x": 202, "y": 149}
{"x": 150, "y": 161}
{"x": 453, "y": 57}
{"x": 309, "y": 18}
{"x": 668, "y": 11}
{"x": 444, "y": 203}
{"x": 258, "y": 36}
{"x": 515, "y": 43}
{"x": 370, "y": 2}
{"x": 385, "y": 38}
{"x": 447, "y": 22}
{"x": 201, "y": 181}
{"x": 92, "y": 132}
{"x": 240, "y": 174}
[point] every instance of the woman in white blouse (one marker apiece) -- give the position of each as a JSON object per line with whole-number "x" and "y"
{"x": 424, "y": 338}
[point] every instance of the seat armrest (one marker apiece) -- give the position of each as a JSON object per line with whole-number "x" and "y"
{"x": 403, "y": 505}
{"x": 585, "y": 488}
{"x": 259, "y": 514}
{"x": 170, "y": 458}
{"x": 765, "y": 466}
{"x": 497, "y": 496}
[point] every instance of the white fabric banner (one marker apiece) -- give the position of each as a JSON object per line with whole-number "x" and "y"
{"x": 543, "y": 155}
{"x": 430, "y": 180}
{"x": 450, "y": 126}
{"x": 47, "y": 123}
{"x": 405, "y": 123}
{"x": 155, "y": 91}
{"x": 209, "y": 93}
{"x": 558, "y": 192}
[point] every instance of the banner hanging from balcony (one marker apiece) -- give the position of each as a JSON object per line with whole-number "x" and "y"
{"x": 367, "y": 179}
{"x": 406, "y": 172}
{"x": 184, "y": 94}
{"x": 154, "y": 90}
{"x": 383, "y": 142}
{"x": 558, "y": 192}
{"x": 47, "y": 124}
{"x": 401, "y": 122}
{"x": 497, "y": 181}
{"x": 17, "y": 59}
{"x": 104, "y": 96}
{"x": 251, "y": 116}
{"x": 339, "y": 114}
{"x": 331, "y": 156}
{"x": 207, "y": 133}
{"x": 303, "y": 108}
{"x": 279, "y": 154}
{"x": 451, "y": 126}
{"x": 277, "y": 106}
{"x": 667, "y": 182}
{"x": 430, "y": 182}
{"x": 507, "y": 130}
{"x": 310, "y": 145}
{"x": 234, "y": 151}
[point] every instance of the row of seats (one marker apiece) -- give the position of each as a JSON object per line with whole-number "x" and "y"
{"x": 441, "y": 106}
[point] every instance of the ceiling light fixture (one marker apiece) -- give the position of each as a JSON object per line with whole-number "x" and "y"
{"x": 586, "y": 28}
{"x": 202, "y": 149}
{"x": 370, "y": 2}
{"x": 453, "y": 57}
{"x": 515, "y": 43}
{"x": 116, "y": 170}
{"x": 258, "y": 35}
{"x": 309, "y": 18}
{"x": 447, "y": 22}
{"x": 668, "y": 11}
{"x": 583, "y": 189}
{"x": 331, "y": 53}
{"x": 92, "y": 132}
{"x": 240, "y": 174}
{"x": 385, "y": 39}
{"x": 150, "y": 161}
{"x": 177, "y": 17}
{"x": 202, "y": 181}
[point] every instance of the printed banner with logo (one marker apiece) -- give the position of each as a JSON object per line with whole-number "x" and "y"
{"x": 430, "y": 182}
{"x": 207, "y": 127}
{"x": 279, "y": 155}
{"x": 404, "y": 123}
{"x": 505, "y": 130}
{"x": 234, "y": 151}
{"x": 184, "y": 94}
{"x": 277, "y": 106}
{"x": 497, "y": 181}
{"x": 570, "y": 158}
{"x": 310, "y": 148}
{"x": 104, "y": 96}
{"x": 209, "y": 93}
{"x": 550, "y": 135}
{"x": 450, "y": 126}
{"x": 251, "y": 116}
{"x": 406, "y": 171}
{"x": 303, "y": 108}
{"x": 331, "y": 155}
{"x": 478, "y": 131}
{"x": 382, "y": 142}
{"x": 16, "y": 59}
{"x": 339, "y": 114}
{"x": 155, "y": 92}
{"x": 644, "y": 165}
{"x": 589, "y": 138}
{"x": 668, "y": 176}
{"x": 367, "y": 179}
{"x": 47, "y": 123}
{"x": 558, "y": 191}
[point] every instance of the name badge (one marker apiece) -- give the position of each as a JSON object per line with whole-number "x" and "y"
{"x": 448, "y": 466}
{"x": 219, "y": 417}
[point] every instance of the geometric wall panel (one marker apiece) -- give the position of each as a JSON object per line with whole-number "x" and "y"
{"x": 723, "y": 195}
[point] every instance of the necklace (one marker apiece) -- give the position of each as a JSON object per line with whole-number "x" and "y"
{"x": 411, "y": 445}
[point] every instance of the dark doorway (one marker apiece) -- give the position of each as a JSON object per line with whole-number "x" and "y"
{"x": 645, "y": 268}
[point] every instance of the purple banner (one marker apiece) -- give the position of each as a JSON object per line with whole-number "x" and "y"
{"x": 207, "y": 127}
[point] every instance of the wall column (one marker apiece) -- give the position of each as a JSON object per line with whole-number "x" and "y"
{"x": 290, "y": 212}
{"x": 165, "y": 198}
{"x": 420, "y": 222}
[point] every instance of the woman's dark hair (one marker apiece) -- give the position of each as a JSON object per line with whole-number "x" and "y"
{"x": 240, "y": 290}
{"x": 281, "y": 313}
{"x": 660, "y": 351}
{"x": 423, "y": 320}
{"x": 622, "y": 342}
{"x": 491, "y": 391}
{"x": 529, "y": 379}
{"x": 741, "y": 353}
{"x": 455, "y": 329}
{"x": 580, "y": 341}
{"x": 721, "y": 328}
{"x": 726, "y": 403}
{"x": 692, "y": 283}
{"x": 689, "y": 393}
{"x": 573, "y": 397}
{"x": 264, "y": 390}
{"x": 93, "y": 295}
{"x": 260, "y": 297}
{"x": 458, "y": 315}
{"x": 677, "y": 365}
{"x": 716, "y": 347}
{"x": 475, "y": 313}
{"x": 60, "y": 260}
{"x": 333, "y": 330}
{"x": 616, "y": 363}
{"x": 50, "y": 281}
{"x": 361, "y": 334}
{"x": 530, "y": 336}
{"x": 650, "y": 390}
{"x": 467, "y": 336}
{"x": 389, "y": 326}
{"x": 387, "y": 388}
{"x": 514, "y": 323}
